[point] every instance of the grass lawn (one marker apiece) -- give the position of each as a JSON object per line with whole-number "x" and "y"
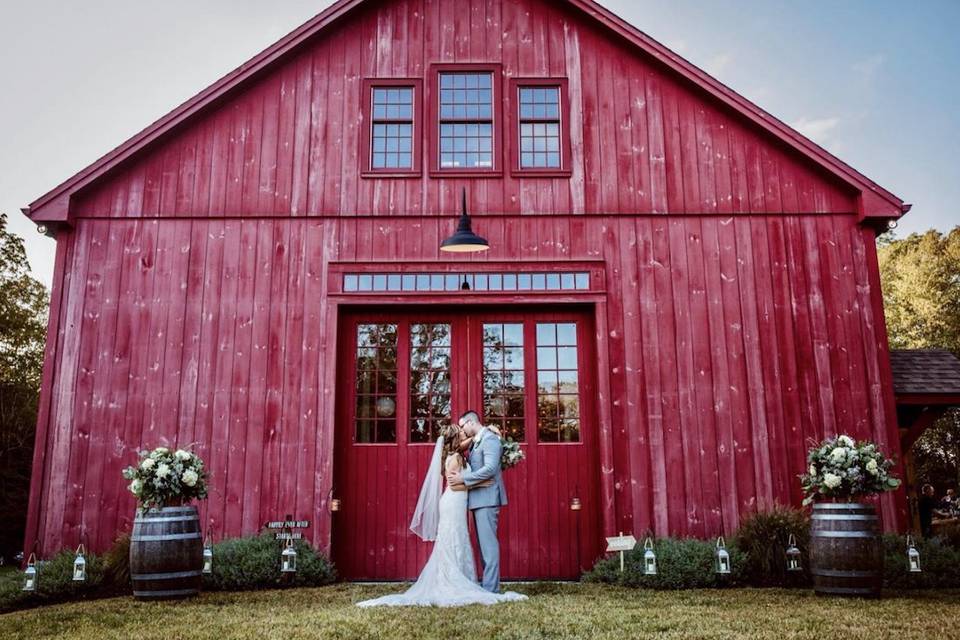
{"x": 553, "y": 611}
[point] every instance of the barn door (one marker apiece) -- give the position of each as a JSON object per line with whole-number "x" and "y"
{"x": 528, "y": 373}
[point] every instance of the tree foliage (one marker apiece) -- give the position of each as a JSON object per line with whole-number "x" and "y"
{"x": 23, "y": 321}
{"x": 921, "y": 293}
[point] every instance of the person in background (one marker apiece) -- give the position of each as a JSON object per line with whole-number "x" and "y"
{"x": 926, "y": 506}
{"x": 948, "y": 504}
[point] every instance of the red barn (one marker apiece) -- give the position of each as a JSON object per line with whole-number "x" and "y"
{"x": 680, "y": 291}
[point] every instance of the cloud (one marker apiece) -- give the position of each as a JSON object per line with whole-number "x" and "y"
{"x": 820, "y": 130}
{"x": 868, "y": 68}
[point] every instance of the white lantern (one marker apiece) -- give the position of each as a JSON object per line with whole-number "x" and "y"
{"x": 30, "y": 574}
{"x": 288, "y": 559}
{"x": 793, "y": 555}
{"x": 80, "y": 566}
{"x": 649, "y": 558}
{"x": 913, "y": 556}
{"x": 207, "y": 556}
{"x": 723, "y": 558}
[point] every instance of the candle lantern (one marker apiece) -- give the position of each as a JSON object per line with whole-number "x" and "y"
{"x": 723, "y": 558}
{"x": 575, "y": 504}
{"x": 793, "y": 555}
{"x": 649, "y": 558}
{"x": 335, "y": 505}
{"x": 913, "y": 556}
{"x": 288, "y": 559}
{"x": 30, "y": 574}
{"x": 80, "y": 566}
{"x": 207, "y": 556}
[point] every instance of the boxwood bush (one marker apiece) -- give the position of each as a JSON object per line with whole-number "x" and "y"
{"x": 241, "y": 564}
{"x": 681, "y": 564}
{"x": 939, "y": 561}
{"x": 54, "y": 583}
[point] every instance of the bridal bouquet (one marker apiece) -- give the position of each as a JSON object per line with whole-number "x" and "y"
{"x": 512, "y": 453}
{"x": 163, "y": 477}
{"x": 844, "y": 468}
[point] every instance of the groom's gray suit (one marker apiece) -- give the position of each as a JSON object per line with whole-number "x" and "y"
{"x": 485, "y": 503}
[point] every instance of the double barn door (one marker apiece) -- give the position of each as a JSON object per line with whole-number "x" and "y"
{"x": 403, "y": 376}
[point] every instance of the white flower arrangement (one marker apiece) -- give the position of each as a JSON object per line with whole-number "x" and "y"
{"x": 511, "y": 455}
{"x": 837, "y": 468}
{"x": 161, "y": 478}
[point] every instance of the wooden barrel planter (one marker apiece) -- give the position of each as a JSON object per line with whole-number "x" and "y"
{"x": 846, "y": 552}
{"x": 166, "y": 553}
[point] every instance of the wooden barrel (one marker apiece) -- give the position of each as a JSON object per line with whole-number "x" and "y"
{"x": 166, "y": 553}
{"x": 846, "y": 552}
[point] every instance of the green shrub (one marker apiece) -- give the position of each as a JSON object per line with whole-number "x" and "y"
{"x": 681, "y": 564}
{"x": 940, "y": 564}
{"x": 116, "y": 565}
{"x": 763, "y": 537}
{"x": 241, "y": 564}
{"x": 54, "y": 583}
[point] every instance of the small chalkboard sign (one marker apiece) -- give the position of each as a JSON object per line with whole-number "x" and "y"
{"x": 288, "y": 535}
{"x": 288, "y": 524}
{"x": 286, "y": 529}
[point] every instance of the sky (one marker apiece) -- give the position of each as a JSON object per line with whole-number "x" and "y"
{"x": 873, "y": 81}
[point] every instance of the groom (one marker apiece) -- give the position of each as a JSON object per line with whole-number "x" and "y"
{"x": 484, "y": 501}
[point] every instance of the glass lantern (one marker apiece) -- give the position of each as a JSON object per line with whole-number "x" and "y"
{"x": 30, "y": 574}
{"x": 723, "y": 558}
{"x": 207, "y": 556}
{"x": 649, "y": 558}
{"x": 913, "y": 556}
{"x": 793, "y": 555}
{"x": 80, "y": 566}
{"x": 288, "y": 559}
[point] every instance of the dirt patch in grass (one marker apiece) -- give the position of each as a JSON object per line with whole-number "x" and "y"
{"x": 553, "y": 611}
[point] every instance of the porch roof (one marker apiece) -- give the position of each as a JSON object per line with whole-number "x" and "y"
{"x": 926, "y": 376}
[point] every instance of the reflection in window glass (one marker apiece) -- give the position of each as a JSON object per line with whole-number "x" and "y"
{"x": 539, "y": 127}
{"x": 503, "y": 383}
{"x": 430, "y": 357}
{"x": 466, "y": 120}
{"x": 558, "y": 392}
{"x": 375, "y": 418}
{"x": 391, "y": 121}
{"x": 359, "y": 283}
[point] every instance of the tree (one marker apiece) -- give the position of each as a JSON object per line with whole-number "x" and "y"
{"x": 921, "y": 294}
{"x": 23, "y": 322}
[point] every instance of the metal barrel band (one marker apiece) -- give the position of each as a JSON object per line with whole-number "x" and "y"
{"x": 838, "y": 573}
{"x": 170, "y": 510}
{"x": 835, "y": 517}
{"x": 169, "y": 536}
{"x": 172, "y": 519}
{"x": 165, "y": 593}
{"x": 843, "y": 534}
{"x": 165, "y": 576}
{"x": 849, "y": 505}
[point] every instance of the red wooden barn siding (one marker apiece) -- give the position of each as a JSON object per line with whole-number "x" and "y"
{"x": 643, "y": 140}
{"x": 728, "y": 342}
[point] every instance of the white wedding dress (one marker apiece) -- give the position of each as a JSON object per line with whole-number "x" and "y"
{"x": 449, "y": 578}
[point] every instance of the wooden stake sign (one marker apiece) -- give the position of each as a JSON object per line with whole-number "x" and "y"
{"x": 285, "y": 528}
{"x": 621, "y": 543}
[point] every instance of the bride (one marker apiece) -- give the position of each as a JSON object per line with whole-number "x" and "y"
{"x": 449, "y": 577}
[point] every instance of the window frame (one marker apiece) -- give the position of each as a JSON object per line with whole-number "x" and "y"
{"x": 433, "y": 116}
{"x": 366, "y": 131}
{"x": 513, "y": 123}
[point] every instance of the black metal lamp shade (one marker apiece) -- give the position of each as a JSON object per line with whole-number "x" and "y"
{"x": 464, "y": 240}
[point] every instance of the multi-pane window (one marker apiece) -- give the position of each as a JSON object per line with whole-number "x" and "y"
{"x": 375, "y": 419}
{"x": 492, "y": 281}
{"x": 429, "y": 380}
{"x": 466, "y": 120}
{"x": 391, "y": 120}
{"x": 540, "y": 127}
{"x": 503, "y": 384}
{"x": 558, "y": 390}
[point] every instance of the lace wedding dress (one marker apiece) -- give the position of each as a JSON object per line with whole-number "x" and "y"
{"x": 449, "y": 578}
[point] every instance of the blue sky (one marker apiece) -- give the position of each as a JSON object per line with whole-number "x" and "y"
{"x": 874, "y": 82}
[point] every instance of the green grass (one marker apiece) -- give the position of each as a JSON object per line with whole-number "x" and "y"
{"x": 553, "y": 611}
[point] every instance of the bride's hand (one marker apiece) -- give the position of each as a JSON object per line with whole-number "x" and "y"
{"x": 495, "y": 429}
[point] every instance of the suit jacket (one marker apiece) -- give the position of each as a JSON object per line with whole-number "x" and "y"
{"x": 485, "y": 465}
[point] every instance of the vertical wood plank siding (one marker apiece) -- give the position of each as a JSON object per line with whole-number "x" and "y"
{"x": 289, "y": 143}
{"x": 216, "y": 332}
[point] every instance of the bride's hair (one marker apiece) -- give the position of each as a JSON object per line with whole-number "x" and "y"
{"x": 451, "y": 443}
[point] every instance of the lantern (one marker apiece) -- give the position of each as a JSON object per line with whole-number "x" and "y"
{"x": 80, "y": 566}
{"x": 30, "y": 574}
{"x": 793, "y": 555}
{"x": 207, "y": 556}
{"x": 723, "y": 558}
{"x": 913, "y": 556}
{"x": 649, "y": 558}
{"x": 288, "y": 559}
{"x": 575, "y": 504}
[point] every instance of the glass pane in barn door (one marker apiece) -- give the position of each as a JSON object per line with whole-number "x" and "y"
{"x": 503, "y": 378}
{"x": 430, "y": 383}
{"x": 375, "y": 415}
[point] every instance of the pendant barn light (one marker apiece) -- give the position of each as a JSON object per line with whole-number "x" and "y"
{"x": 464, "y": 240}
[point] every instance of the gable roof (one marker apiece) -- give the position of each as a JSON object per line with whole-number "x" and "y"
{"x": 876, "y": 201}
